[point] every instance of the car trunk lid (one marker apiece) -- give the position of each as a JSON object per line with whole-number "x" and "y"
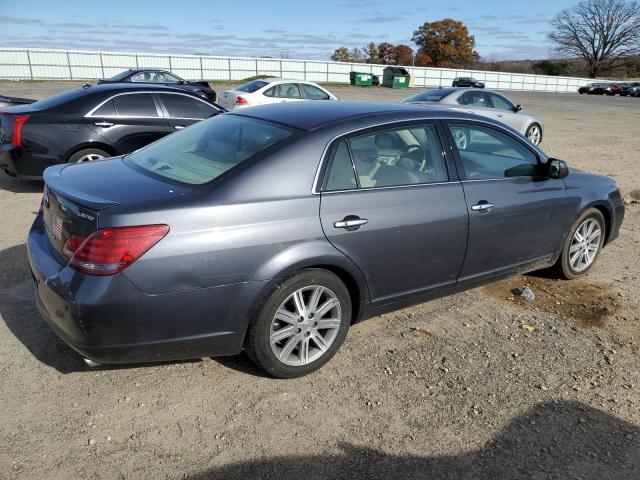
{"x": 75, "y": 195}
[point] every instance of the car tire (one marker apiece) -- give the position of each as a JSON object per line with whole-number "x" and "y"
{"x": 88, "y": 155}
{"x": 203, "y": 95}
{"x": 566, "y": 266}
{"x": 537, "y": 138}
{"x": 302, "y": 347}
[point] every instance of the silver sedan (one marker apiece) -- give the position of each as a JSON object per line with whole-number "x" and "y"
{"x": 486, "y": 103}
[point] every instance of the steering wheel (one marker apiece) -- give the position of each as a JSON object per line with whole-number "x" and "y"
{"x": 416, "y": 153}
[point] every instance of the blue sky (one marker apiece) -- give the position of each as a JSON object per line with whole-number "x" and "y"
{"x": 279, "y": 28}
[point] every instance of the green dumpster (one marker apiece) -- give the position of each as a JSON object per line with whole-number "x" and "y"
{"x": 396, "y": 77}
{"x": 360, "y": 79}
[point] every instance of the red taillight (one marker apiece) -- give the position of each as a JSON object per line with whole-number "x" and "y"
{"x": 111, "y": 250}
{"x": 16, "y": 136}
{"x": 73, "y": 243}
{"x": 241, "y": 101}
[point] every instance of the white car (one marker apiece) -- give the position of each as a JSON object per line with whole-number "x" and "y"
{"x": 272, "y": 90}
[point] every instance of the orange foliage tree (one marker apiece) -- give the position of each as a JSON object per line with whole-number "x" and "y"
{"x": 445, "y": 43}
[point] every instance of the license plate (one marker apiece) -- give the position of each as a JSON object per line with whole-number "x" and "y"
{"x": 55, "y": 230}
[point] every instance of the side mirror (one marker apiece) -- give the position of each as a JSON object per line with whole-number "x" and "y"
{"x": 557, "y": 168}
{"x": 518, "y": 108}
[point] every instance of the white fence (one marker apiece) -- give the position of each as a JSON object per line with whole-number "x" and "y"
{"x": 50, "y": 64}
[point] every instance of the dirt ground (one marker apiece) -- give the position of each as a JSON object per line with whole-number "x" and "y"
{"x": 480, "y": 385}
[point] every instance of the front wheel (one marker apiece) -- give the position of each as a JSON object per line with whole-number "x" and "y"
{"x": 301, "y": 326}
{"x": 582, "y": 245}
{"x": 534, "y": 133}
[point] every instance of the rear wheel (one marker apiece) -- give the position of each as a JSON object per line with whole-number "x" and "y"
{"x": 88, "y": 155}
{"x": 582, "y": 245}
{"x": 301, "y": 326}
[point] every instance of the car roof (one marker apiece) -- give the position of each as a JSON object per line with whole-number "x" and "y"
{"x": 112, "y": 87}
{"x": 313, "y": 115}
{"x": 278, "y": 80}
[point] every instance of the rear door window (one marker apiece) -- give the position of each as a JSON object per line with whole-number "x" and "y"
{"x": 183, "y": 106}
{"x": 474, "y": 99}
{"x": 135, "y": 105}
{"x": 106, "y": 110}
{"x": 288, "y": 90}
{"x": 341, "y": 171}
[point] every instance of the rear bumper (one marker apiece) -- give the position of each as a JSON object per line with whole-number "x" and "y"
{"x": 15, "y": 161}
{"x": 109, "y": 320}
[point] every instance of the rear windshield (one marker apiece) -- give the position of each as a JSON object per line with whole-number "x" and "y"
{"x": 428, "y": 96}
{"x": 59, "y": 99}
{"x": 252, "y": 86}
{"x": 121, "y": 75}
{"x": 206, "y": 150}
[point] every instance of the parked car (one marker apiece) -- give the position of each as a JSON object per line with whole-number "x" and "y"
{"x": 163, "y": 77}
{"x": 93, "y": 122}
{"x": 613, "y": 89}
{"x": 13, "y": 101}
{"x": 273, "y": 90}
{"x": 625, "y": 89}
{"x": 587, "y": 88}
{"x": 486, "y": 103}
{"x": 467, "y": 82}
{"x": 273, "y": 229}
{"x": 634, "y": 89}
{"x": 597, "y": 89}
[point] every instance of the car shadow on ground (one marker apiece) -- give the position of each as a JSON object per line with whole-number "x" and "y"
{"x": 16, "y": 185}
{"x": 20, "y": 314}
{"x": 553, "y": 440}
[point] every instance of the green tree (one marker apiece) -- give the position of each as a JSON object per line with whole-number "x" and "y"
{"x": 548, "y": 67}
{"x": 341, "y": 54}
{"x": 371, "y": 52}
{"x": 446, "y": 43}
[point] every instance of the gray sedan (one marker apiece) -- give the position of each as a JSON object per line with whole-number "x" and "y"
{"x": 486, "y": 103}
{"x": 273, "y": 229}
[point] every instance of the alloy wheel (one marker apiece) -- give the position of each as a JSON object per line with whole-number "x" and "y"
{"x": 585, "y": 245}
{"x": 305, "y": 325}
{"x": 534, "y": 134}
{"x": 89, "y": 158}
{"x": 460, "y": 138}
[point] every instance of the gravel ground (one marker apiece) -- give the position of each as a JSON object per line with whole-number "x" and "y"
{"x": 480, "y": 385}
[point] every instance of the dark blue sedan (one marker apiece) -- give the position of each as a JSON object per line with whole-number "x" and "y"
{"x": 163, "y": 77}
{"x": 272, "y": 229}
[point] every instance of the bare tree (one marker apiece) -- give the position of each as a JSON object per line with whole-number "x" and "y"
{"x": 601, "y": 32}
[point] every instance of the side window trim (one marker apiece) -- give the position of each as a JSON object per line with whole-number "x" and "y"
{"x": 441, "y": 131}
{"x": 159, "y": 110}
{"x": 165, "y": 110}
{"x": 456, "y": 155}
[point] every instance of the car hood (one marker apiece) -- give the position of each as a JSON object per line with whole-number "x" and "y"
{"x": 105, "y": 183}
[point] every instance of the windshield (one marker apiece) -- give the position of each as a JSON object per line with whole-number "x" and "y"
{"x": 428, "y": 96}
{"x": 252, "y": 86}
{"x": 203, "y": 152}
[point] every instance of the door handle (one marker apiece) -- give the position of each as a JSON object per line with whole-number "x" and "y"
{"x": 104, "y": 124}
{"x": 482, "y": 206}
{"x": 179, "y": 127}
{"x": 499, "y": 114}
{"x": 350, "y": 223}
